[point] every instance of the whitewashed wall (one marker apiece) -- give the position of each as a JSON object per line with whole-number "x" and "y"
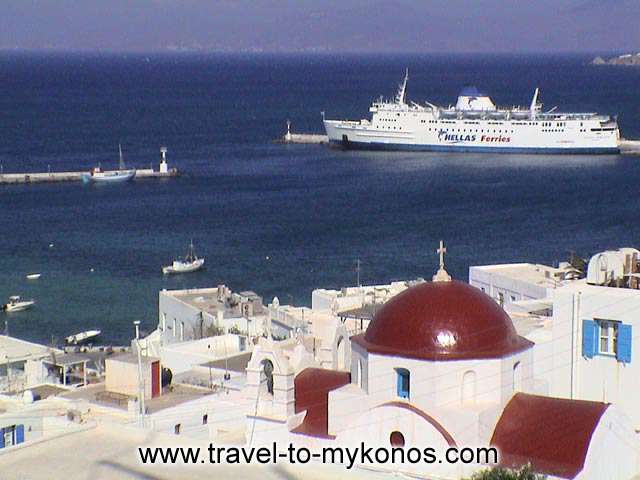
{"x": 600, "y": 378}
{"x": 180, "y": 357}
{"x": 435, "y": 388}
{"x": 614, "y": 451}
{"x": 492, "y": 282}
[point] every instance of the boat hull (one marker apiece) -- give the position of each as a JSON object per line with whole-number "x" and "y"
{"x": 18, "y": 307}
{"x": 400, "y": 127}
{"x": 407, "y": 147}
{"x": 115, "y": 176}
{"x": 82, "y": 337}
{"x": 175, "y": 270}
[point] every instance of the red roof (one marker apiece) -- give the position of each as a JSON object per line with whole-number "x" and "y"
{"x": 552, "y": 434}
{"x": 312, "y": 387}
{"x": 442, "y": 321}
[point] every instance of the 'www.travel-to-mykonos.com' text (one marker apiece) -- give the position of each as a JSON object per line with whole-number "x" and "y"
{"x": 347, "y": 456}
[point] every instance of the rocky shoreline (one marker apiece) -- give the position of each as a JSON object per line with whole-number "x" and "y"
{"x": 627, "y": 59}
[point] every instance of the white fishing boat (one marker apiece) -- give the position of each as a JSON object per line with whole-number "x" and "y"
{"x": 16, "y": 304}
{"x": 97, "y": 175}
{"x": 33, "y": 276}
{"x": 82, "y": 337}
{"x": 190, "y": 263}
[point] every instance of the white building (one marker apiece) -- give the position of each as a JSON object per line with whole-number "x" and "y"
{"x": 440, "y": 365}
{"x": 584, "y": 329}
{"x": 596, "y": 345}
{"x": 519, "y": 284}
{"x": 351, "y": 298}
{"x": 21, "y": 363}
{"x": 181, "y": 357}
{"x": 198, "y": 313}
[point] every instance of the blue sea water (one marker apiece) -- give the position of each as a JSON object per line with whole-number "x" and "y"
{"x": 281, "y": 220}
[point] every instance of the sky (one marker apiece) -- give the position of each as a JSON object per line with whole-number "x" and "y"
{"x": 430, "y": 26}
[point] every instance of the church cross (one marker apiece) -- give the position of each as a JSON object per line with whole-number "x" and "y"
{"x": 442, "y": 250}
{"x": 441, "y": 275}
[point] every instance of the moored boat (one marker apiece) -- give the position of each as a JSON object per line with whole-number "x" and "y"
{"x": 123, "y": 174}
{"x": 190, "y": 263}
{"x": 82, "y": 337}
{"x": 16, "y": 304}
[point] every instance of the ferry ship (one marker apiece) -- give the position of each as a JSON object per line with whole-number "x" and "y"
{"x": 475, "y": 124}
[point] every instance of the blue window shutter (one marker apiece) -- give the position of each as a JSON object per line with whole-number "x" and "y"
{"x": 403, "y": 382}
{"x": 1, "y": 437}
{"x": 624, "y": 343}
{"x": 19, "y": 434}
{"x": 589, "y": 338}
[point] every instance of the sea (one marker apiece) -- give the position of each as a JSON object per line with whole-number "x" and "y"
{"x": 281, "y": 220}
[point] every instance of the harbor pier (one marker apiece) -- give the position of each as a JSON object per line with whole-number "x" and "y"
{"x": 76, "y": 176}
{"x": 38, "y": 177}
{"x": 302, "y": 137}
{"x": 629, "y": 147}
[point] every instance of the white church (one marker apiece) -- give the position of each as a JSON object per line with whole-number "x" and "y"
{"x": 440, "y": 364}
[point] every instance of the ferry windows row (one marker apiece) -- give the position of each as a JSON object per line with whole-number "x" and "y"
{"x": 464, "y": 130}
{"x": 542, "y": 124}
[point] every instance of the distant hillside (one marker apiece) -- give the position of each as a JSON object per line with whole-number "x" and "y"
{"x": 628, "y": 59}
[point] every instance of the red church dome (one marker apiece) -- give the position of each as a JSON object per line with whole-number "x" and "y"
{"x": 442, "y": 321}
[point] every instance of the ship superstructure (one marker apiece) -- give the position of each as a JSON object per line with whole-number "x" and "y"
{"x": 475, "y": 124}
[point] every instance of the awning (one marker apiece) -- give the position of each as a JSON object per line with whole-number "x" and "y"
{"x": 530, "y": 306}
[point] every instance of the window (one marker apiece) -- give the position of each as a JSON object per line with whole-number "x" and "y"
{"x": 608, "y": 343}
{"x": 607, "y": 338}
{"x": 205, "y": 419}
{"x": 11, "y": 435}
{"x": 164, "y": 321}
{"x": 403, "y": 382}
{"x": 501, "y": 299}
{"x": 177, "y": 429}
{"x": 175, "y": 326}
{"x": 266, "y": 375}
{"x": 396, "y": 439}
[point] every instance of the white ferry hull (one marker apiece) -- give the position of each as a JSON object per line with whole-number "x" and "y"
{"x": 352, "y": 137}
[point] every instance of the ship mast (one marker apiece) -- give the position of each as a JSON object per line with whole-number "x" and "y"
{"x": 534, "y": 108}
{"x": 401, "y": 97}
{"x": 121, "y": 165}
